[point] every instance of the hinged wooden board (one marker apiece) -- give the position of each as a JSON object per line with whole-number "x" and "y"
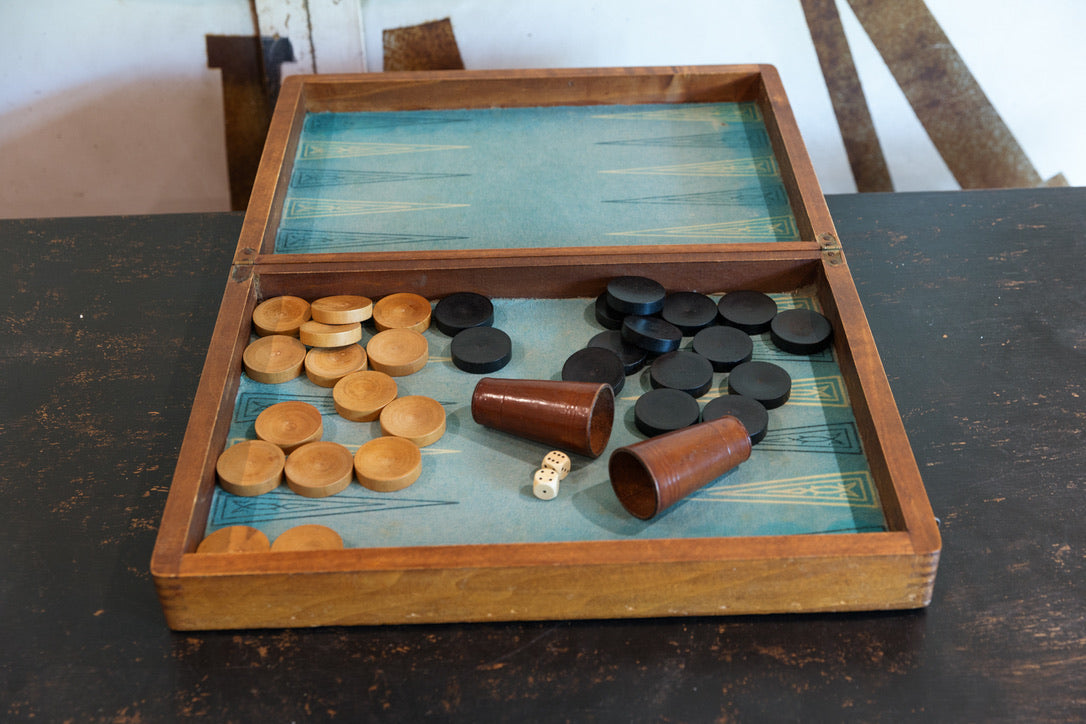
{"x": 575, "y": 557}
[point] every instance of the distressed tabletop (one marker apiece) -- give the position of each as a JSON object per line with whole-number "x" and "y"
{"x": 976, "y": 302}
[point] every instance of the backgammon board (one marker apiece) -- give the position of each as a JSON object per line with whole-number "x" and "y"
{"x": 535, "y": 189}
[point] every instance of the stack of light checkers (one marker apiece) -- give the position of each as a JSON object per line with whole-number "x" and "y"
{"x": 332, "y": 328}
{"x": 289, "y": 433}
{"x": 556, "y": 466}
{"x": 646, "y": 326}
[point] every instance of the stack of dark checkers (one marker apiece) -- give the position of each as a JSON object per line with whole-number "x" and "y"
{"x": 635, "y": 295}
{"x": 477, "y": 347}
{"x": 689, "y": 311}
{"x": 633, "y": 357}
{"x": 646, "y": 326}
{"x": 463, "y": 310}
{"x": 627, "y": 309}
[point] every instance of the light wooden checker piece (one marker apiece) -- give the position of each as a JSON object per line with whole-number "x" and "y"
{"x": 398, "y": 352}
{"x": 325, "y": 366}
{"x": 280, "y": 315}
{"x": 341, "y": 309}
{"x": 319, "y": 469}
{"x": 416, "y": 418}
{"x": 251, "y": 467}
{"x": 402, "y": 311}
{"x": 317, "y": 334}
{"x": 290, "y": 424}
{"x": 360, "y": 396}
{"x": 274, "y": 359}
{"x": 234, "y": 539}
{"x": 311, "y": 537}
{"x": 388, "y": 464}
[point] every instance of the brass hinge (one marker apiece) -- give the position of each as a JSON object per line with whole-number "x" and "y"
{"x": 833, "y": 257}
{"x": 241, "y": 272}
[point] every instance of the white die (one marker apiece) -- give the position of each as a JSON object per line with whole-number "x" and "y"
{"x": 545, "y": 484}
{"x": 557, "y": 461}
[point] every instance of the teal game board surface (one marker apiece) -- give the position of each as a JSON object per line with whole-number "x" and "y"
{"x": 809, "y": 475}
{"x": 534, "y": 177}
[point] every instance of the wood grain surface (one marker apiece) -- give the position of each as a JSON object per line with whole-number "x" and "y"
{"x": 975, "y": 302}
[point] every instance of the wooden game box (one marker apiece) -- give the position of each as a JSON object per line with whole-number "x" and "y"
{"x": 535, "y": 188}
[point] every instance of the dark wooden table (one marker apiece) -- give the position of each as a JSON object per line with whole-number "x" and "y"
{"x": 977, "y": 301}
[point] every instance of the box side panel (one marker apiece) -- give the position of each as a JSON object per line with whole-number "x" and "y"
{"x": 520, "y": 88}
{"x": 544, "y": 275}
{"x": 905, "y": 501}
{"x": 712, "y": 587}
{"x": 273, "y": 175}
{"x": 805, "y": 194}
{"x": 187, "y": 504}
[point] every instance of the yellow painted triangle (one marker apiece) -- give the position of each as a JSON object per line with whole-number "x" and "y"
{"x": 849, "y": 490}
{"x": 754, "y": 166}
{"x": 819, "y": 392}
{"x": 429, "y": 450}
{"x": 712, "y": 114}
{"x": 773, "y": 227}
{"x": 316, "y": 208}
{"x": 439, "y": 451}
{"x": 353, "y": 447}
{"x": 311, "y": 150}
{"x": 785, "y": 300}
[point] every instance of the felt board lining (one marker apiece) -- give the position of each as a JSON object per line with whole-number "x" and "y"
{"x": 534, "y": 177}
{"x": 809, "y": 474}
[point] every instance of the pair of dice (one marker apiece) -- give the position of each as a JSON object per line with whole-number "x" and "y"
{"x": 556, "y": 465}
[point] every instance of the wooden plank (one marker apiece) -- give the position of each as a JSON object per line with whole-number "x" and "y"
{"x": 246, "y": 108}
{"x": 963, "y": 124}
{"x": 797, "y": 172}
{"x": 862, "y": 147}
{"x": 428, "y": 46}
{"x": 439, "y": 593}
{"x": 436, "y": 90}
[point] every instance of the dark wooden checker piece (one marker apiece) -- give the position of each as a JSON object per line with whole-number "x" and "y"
{"x": 682, "y": 370}
{"x": 462, "y": 310}
{"x": 689, "y": 311}
{"x": 747, "y": 310}
{"x": 633, "y": 357}
{"x": 651, "y": 334}
{"x": 766, "y": 382}
{"x": 595, "y": 364}
{"x": 801, "y": 331}
{"x": 481, "y": 350}
{"x": 635, "y": 295}
{"x": 605, "y": 315}
{"x": 724, "y": 347}
{"x": 747, "y": 410}
{"x": 663, "y": 410}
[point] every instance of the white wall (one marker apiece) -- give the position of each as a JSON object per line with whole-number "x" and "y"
{"x": 107, "y": 106}
{"x": 1027, "y": 56}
